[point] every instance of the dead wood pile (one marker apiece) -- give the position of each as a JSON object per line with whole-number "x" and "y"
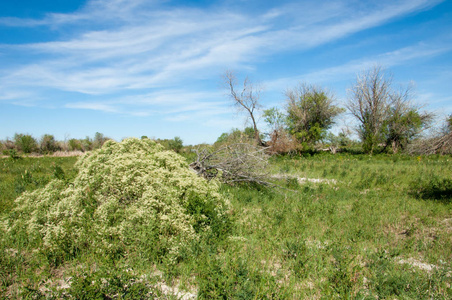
{"x": 233, "y": 163}
{"x": 437, "y": 145}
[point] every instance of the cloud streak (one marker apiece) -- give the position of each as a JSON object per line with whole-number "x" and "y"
{"x": 141, "y": 46}
{"x": 174, "y": 44}
{"x": 349, "y": 69}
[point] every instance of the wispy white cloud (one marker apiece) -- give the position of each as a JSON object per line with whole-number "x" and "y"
{"x": 11, "y": 95}
{"x": 93, "y": 106}
{"x": 172, "y": 105}
{"x": 141, "y": 47}
{"x": 349, "y": 69}
{"x": 160, "y": 55}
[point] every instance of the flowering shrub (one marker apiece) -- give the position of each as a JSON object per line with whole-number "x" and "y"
{"x": 128, "y": 196}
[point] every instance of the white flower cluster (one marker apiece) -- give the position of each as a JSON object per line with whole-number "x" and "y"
{"x": 125, "y": 195}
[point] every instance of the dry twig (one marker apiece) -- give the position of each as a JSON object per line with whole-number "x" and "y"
{"x": 438, "y": 145}
{"x": 233, "y": 163}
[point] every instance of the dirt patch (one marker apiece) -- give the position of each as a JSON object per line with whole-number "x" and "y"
{"x": 302, "y": 180}
{"x": 418, "y": 264}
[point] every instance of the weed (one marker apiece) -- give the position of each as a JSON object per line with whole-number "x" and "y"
{"x": 433, "y": 187}
{"x": 354, "y": 239}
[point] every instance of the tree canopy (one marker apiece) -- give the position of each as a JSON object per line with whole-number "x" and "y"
{"x": 310, "y": 112}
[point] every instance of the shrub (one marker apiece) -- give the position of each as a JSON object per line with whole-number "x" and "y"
{"x": 87, "y": 144}
{"x": 13, "y": 154}
{"x": 75, "y": 145}
{"x": 128, "y": 196}
{"x": 99, "y": 140}
{"x": 48, "y": 144}
{"x": 175, "y": 144}
{"x": 9, "y": 145}
{"x": 25, "y": 142}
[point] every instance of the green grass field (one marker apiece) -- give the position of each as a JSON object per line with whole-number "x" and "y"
{"x": 374, "y": 228}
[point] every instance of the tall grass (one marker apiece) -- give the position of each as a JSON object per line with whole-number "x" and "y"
{"x": 29, "y": 173}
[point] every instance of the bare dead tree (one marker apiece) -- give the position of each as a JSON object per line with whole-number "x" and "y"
{"x": 233, "y": 163}
{"x": 369, "y": 103}
{"x": 386, "y": 116}
{"x": 247, "y": 99}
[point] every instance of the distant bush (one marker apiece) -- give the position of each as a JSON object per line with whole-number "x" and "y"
{"x": 25, "y": 143}
{"x": 3, "y": 147}
{"x": 13, "y": 154}
{"x": 236, "y": 136}
{"x": 75, "y": 145}
{"x": 48, "y": 144}
{"x": 128, "y": 196}
{"x": 8, "y": 144}
{"x": 176, "y": 144}
{"x": 99, "y": 140}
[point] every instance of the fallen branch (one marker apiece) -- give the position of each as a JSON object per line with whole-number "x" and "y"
{"x": 438, "y": 145}
{"x": 233, "y": 163}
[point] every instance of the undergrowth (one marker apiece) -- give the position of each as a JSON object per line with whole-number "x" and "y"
{"x": 381, "y": 230}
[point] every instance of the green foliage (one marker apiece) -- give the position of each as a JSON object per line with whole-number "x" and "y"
{"x": 75, "y": 145}
{"x": 274, "y": 118}
{"x": 385, "y": 116}
{"x": 99, "y": 140}
{"x": 237, "y": 136}
{"x": 87, "y": 144}
{"x": 432, "y": 187}
{"x": 404, "y": 123}
{"x": 447, "y": 128}
{"x": 176, "y": 144}
{"x": 28, "y": 174}
{"x": 341, "y": 140}
{"x": 105, "y": 284}
{"x": 48, "y": 144}
{"x": 372, "y": 233}
{"x": 128, "y": 195}
{"x": 235, "y": 278}
{"x": 13, "y": 154}
{"x": 25, "y": 143}
{"x": 310, "y": 113}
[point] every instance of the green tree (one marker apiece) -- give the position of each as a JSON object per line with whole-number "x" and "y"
{"x": 405, "y": 120}
{"x": 176, "y": 144}
{"x": 448, "y": 125}
{"x": 48, "y": 144}
{"x": 87, "y": 144}
{"x": 99, "y": 140}
{"x": 75, "y": 145}
{"x": 237, "y": 136}
{"x": 275, "y": 119}
{"x": 310, "y": 112}
{"x": 25, "y": 143}
{"x": 385, "y": 116}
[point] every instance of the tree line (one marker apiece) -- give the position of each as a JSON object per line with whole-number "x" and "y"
{"x": 26, "y": 144}
{"x": 47, "y": 144}
{"x": 387, "y": 118}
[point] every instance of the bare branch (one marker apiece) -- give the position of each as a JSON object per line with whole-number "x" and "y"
{"x": 248, "y": 99}
{"x": 233, "y": 163}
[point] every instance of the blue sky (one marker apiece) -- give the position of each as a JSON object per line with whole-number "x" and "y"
{"x": 142, "y": 67}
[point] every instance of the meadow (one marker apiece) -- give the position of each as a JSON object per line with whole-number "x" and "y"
{"x": 374, "y": 227}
